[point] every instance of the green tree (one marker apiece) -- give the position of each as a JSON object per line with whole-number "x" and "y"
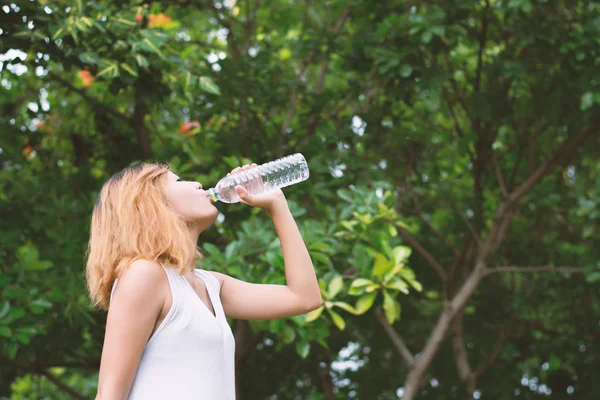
{"x": 451, "y": 213}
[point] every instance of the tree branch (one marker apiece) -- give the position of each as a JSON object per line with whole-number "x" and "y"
{"x": 565, "y": 270}
{"x": 225, "y": 23}
{"x": 494, "y": 352}
{"x": 396, "y": 339}
{"x": 46, "y": 374}
{"x": 465, "y": 220}
{"x": 324, "y": 371}
{"x": 564, "y": 152}
{"x": 138, "y": 120}
{"x": 201, "y": 43}
{"x": 437, "y": 267}
{"x": 95, "y": 102}
{"x": 482, "y": 40}
{"x": 313, "y": 121}
{"x": 460, "y": 354}
{"x": 499, "y": 174}
{"x": 497, "y": 232}
{"x": 432, "y": 228}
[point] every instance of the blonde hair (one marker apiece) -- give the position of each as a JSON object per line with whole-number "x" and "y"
{"x": 131, "y": 220}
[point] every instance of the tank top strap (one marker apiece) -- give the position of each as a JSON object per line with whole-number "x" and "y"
{"x": 114, "y": 286}
{"x": 176, "y": 283}
{"x": 209, "y": 278}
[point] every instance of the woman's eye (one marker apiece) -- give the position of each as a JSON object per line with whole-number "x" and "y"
{"x": 179, "y": 180}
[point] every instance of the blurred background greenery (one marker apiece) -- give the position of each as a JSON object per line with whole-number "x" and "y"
{"x": 446, "y": 140}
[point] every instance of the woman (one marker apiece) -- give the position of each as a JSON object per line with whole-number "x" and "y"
{"x": 167, "y": 336}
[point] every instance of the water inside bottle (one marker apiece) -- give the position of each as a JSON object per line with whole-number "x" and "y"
{"x": 276, "y": 174}
{"x": 254, "y": 186}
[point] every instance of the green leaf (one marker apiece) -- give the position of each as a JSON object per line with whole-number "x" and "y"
{"x": 141, "y": 61}
{"x": 17, "y": 313}
{"x": 349, "y": 225}
{"x": 382, "y": 265}
{"x": 323, "y": 287}
{"x": 108, "y": 69}
{"x": 344, "y": 306}
{"x": 189, "y": 81}
{"x": 146, "y": 44}
{"x": 587, "y": 101}
{"x": 356, "y": 291}
{"x": 129, "y": 69}
{"x": 426, "y": 36}
{"x": 358, "y": 286}
{"x": 372, "y": 288}
{"x": 405, "y": 70}
{"x": 156, "y": 37}
{"x": 345, "y": 195}
{"x": 288, "y": 334}
{"x": 313, "y": 315}
{"x": 337, "y": 319}
{"x": 409, "y": 276}
{"x": 5, "y": 309}
{"x": 321, "y": 258}
{"x": 401, "y": 254}
{"x": 276, "y": 260}
{"x": 58, "y": 34}
{"x": 89, "y": 57}
{"x": 125, "y": 21}
{"x": 22, "y": 337}
{"x": 40, "y": 305}
{"x": 39, "y": 266}
{"x": 87, "y": 21}
{"x": 335, "y": 285}
{"x": 212, "y": 250}
{"x": 303, "y": 348}
{"x": 398, "y": 284}
{"x": 230, "y": 250}
{"x": 299, "y": 320}
{"x": 276, "y": 325}
{"x": 390, "y": 307}
{"x": 364, "y": 303}
{"x": 416, "y": 285}
{"x": 5, "y": 331}
{"x": 12, "y": 349}
{"x": 593, "y": 277}
{"x": 208, "y": 85}
{"x": 320, "y": 246}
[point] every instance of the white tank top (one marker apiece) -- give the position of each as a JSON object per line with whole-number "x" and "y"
{"x": 191, "y": 354}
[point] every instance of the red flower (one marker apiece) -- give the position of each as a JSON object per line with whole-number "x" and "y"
{"x": 159, "y": 21}
{"x": 86, "y": 77}
{"x": 189, "y": 127}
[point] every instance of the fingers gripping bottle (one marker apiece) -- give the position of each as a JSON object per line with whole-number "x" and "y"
{"x": 276, "y": 174}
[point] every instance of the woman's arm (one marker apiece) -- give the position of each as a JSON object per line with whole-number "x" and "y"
{"x": 301, "y": 293}
{"x": 135, "y": 307}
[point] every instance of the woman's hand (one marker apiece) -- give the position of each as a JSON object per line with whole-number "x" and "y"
{"x": 270, "y": 201}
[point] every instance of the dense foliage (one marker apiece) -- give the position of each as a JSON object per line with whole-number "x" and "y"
{"x": 452, "y": 210}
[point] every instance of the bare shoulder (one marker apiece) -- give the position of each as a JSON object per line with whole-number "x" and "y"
{"x": 138, "y": 300}
{"x": 142, "y": 279}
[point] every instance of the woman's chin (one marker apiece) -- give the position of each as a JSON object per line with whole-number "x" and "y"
{"x": 208, "y": 218}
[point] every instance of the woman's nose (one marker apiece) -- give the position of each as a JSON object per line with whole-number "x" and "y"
{"x": 198, "y": 185}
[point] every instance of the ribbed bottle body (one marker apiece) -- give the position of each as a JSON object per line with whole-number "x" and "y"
{"x": 276, "y": 174}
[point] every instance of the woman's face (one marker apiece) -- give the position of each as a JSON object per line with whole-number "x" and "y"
{"x": 189, "y": 201}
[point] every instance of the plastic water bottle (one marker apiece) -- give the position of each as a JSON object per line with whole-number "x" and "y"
{"x": 266, "y": 177}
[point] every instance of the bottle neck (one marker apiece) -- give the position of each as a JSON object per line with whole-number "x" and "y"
{"x": 213, "y": 194}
